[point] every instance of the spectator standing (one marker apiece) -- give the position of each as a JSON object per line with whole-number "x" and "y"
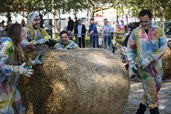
{"x": 70, "y": 25}
{"x": 93, "y": 34}
{"x": 107, "y": 31}
{"x": 100, "y": 41}
{"x": 41, "y": 20}
{"x": 114, "y": 45}
{"x": 80, "y": 31}
{"x": 76, "y": 22}
{"x": 168, "y": 30}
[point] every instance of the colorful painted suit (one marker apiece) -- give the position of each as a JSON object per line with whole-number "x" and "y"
{"x": 27, "y": 45}
{"x": 33, "y": 35}
{"x": 41, "y": 33}
{"x": 70, "y": 45}
{"x": 9, "y": 94}
{"x": 141, "y": 45}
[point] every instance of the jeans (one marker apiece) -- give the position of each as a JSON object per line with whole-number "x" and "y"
{"x": 94, "y": 40}
{"x": 107, "y": 42}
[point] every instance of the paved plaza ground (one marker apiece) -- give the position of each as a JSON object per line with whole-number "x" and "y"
{"x": 136, "y": 93}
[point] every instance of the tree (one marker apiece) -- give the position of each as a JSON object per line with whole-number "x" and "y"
{"x": 15, "y": 6}
{"x": 98, "y": 5}
{"x": 159, "y": 8}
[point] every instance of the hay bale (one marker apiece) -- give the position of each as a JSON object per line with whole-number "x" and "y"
{"x": 85, "y": 81}
{"x": 167, "y": 63}
{"x": 32, "y": 53}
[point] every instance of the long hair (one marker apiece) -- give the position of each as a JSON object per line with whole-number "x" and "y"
{"x": 15, "y": 32}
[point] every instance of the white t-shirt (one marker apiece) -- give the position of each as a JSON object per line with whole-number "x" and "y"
{"x": 79, "y": 31}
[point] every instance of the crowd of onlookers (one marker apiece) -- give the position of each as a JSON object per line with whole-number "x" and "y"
{"x": 97, "y": 38}
{"x": 79, "y": 33}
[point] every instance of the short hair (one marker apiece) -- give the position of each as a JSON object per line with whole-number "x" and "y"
{"x": 145, "y": 12}
{"x": 79, "y": 20}
{"x": 63, "y": 32}
{"x": 91, "y": 19}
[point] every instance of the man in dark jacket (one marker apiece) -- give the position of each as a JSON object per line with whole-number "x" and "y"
{"x": 70, "y": 25}
{"x": 80, "y": 32}
{"x": 93, "y": 34}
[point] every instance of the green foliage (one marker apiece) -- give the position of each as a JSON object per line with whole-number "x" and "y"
{"x": 119, "y": 40}
{"x": 160, "y": 8}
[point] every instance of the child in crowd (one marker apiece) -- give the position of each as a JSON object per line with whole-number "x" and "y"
{"x": 114, "y": 45}
{"x": 100, "y": 41}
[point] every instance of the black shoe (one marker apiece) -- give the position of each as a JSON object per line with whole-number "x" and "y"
{"x": 142, "y": 108}
{"x": 126, "y": 66}
{"x": 154, "y": 111}
{"x": 133, "y": 78}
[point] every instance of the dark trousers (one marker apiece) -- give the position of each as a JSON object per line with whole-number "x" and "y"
{"x": 81, "y": 42}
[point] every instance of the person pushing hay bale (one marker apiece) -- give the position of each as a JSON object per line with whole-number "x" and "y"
{"x": 89, "y": 81}
{"x": 167, "y": 63}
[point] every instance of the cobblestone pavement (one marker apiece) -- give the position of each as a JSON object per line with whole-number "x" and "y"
{"x": 136, "y": 93}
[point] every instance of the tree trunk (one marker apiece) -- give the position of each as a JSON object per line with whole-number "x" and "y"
{"x": 91, "y": 8}
{"x": 127, "y": 23}
{"x": 8, "y": 16}
{"x": 117, "y": 19}
{"x": 53, "y": 21}
{"x": 88, "y": 18}
{"x": 59, "y": 21}
{"x": 91, "y": 13}
{"x": 162, "y": 19}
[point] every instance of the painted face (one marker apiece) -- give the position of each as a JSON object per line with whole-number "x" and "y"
{"x": 145, "y": 22}
{"x": 36, "y": 22}
{"x": 64, "y": 38}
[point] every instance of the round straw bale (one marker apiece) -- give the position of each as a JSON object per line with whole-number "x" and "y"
{"x": 167, "y": 63}
{"x": 32, "y": 53}
{"x": 83, "y": 81}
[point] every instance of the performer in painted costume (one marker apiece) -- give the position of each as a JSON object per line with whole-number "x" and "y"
{"x": 12, "y": 67}
{"x": 146, "y": 46}
{"x": 36, "y": 36}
